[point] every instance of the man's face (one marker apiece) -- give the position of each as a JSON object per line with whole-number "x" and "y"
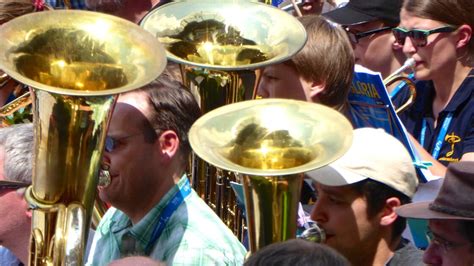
{"x": 342, "y": 213}
{"x": 283, "y": 81}
{"x": 376, "y": 51}
{"x": 13, "y": 210}
{"x": 133, "y": 161}
{"x": 450, "y": 246}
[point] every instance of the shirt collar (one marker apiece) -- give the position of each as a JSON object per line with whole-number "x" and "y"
{"x": 142, "y": 231}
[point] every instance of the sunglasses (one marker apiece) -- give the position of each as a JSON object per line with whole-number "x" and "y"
{"x": 14, "y": 185}
{"x": 418, "y": 37}
{"x": 354, "y": 37}
{"x": 111, "y": 142}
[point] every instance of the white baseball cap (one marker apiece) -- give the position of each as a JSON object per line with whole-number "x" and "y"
{"x": 375, "y": 155}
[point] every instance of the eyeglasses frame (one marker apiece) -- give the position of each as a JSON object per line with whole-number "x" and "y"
{"x": 354, "y": 37}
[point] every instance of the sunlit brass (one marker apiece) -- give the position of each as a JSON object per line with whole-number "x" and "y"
{"x": 271, "y": 143}
{"x": 397, "y": 76}
{"x": 218, "y": 45}
{"x": 77, "y": 62}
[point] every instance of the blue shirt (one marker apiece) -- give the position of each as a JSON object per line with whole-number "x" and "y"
{"x": 59, "y": 4}
{"x": 459, "y": 138}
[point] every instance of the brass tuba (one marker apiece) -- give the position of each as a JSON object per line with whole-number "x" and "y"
{"x": 218, "y": 44}
{"x": 76, "y": 63}
{"x": 271, "y": 143}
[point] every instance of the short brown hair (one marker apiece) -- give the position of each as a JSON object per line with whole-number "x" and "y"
{"x": 327, "y": 58}
{"x": 172, "y": 107}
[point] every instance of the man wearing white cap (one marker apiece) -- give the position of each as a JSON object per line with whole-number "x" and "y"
{"x": 357, "y": 197}
{"x": 451, "y": 218}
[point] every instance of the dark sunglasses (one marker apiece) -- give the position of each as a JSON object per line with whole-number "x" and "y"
{"x": 354, "y": 37}
{"x": 418, "y": 37}
{"x": 4, "y": 185}
{"x": 111, "y": 143}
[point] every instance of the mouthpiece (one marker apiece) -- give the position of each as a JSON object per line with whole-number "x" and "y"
{"x": 314, "y": 234}
{"x": 409, "y": 63}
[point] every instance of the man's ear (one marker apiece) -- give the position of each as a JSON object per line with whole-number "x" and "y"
{"x": 464, "y": 36}
{"x": 388, "y": 215}
{"x": 316, "y": 89}
{"x": 169, "y": 143}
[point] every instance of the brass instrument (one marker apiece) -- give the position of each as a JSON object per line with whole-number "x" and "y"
{"x": 217, "y": 44}
{"x": 397, "y": 77}
{"x": 76, "y": 62}
{"x": 271, "y": 143}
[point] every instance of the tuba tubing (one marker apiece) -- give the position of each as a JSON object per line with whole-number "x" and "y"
{"x": 75, "y": 81}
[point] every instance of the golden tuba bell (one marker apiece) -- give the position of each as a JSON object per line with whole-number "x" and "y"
{"x": 76, "y": 63}
{"x": 218, "y": 44}
{"x": 271, "y": 143}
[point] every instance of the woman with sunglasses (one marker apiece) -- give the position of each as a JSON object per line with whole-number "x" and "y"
{"x": 437, "y": 34}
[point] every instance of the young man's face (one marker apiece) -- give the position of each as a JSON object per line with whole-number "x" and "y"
{"x": 342, "y": 213}
{"x": 450, "y": 245}
{"x": 282, "y": 81}
{"x": 376, "y": 51}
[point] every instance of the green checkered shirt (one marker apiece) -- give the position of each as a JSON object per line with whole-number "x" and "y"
{"x": 194, "y": 235}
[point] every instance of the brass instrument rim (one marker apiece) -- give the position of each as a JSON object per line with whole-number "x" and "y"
{"x": 16, "y": 26}
{"x": 299, "y": 37}
{"x": 331, "y": 118}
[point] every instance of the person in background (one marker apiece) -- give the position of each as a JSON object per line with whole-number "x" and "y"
{"x": 16, "y": 143}
{"x": 155, "y": 212}
{"x": 357, "y": 198}
{"x": 368, "y": 25}
{"x": 308, "y": 75}
{"x": 451, "y": 218}
{"x": 438, "y": 35}
{"x": 296, "y": 252}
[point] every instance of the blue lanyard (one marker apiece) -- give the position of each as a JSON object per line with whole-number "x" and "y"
{"x": 441, "y": 135}
{"x": 401, "y": 85}
{"x": 174, "y": 203}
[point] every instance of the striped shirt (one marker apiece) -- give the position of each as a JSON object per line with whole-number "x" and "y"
{"x": 194, "y": 235}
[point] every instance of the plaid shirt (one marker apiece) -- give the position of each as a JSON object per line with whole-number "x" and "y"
{"x": 59, "y": 4}
{"x": 194, "y": 235}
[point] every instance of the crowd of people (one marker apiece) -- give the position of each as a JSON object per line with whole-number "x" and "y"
{"x": 363, "y": 199}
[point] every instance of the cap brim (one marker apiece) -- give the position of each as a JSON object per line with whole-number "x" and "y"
{"x": 420, "y": 210}
{"x": 334, "y": 177}
{"x": 348, "y": 16}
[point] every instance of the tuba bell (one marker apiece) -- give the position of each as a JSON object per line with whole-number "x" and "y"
{"x": 271, "y": 143}
{"x": 218, "y": 45}
{"x": 76, "y": 63}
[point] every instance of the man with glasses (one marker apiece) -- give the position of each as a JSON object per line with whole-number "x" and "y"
{"x": 16, "y": 144}
{"x": 451, "y": 218}
{"x": 155, "y": 212}
{"x": 369, "y": 26}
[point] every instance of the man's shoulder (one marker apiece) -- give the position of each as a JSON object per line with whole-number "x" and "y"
{"x": 407, "y": 254}
{"x": 195, "y": 233}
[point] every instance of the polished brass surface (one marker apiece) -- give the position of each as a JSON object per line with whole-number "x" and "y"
{"x": 397, "y": 76}
{"x": 76, "y": 62}
{"x": 226, "y": 35}
{"x": 271, "y": 143}
{"x": 219, "y": 44}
